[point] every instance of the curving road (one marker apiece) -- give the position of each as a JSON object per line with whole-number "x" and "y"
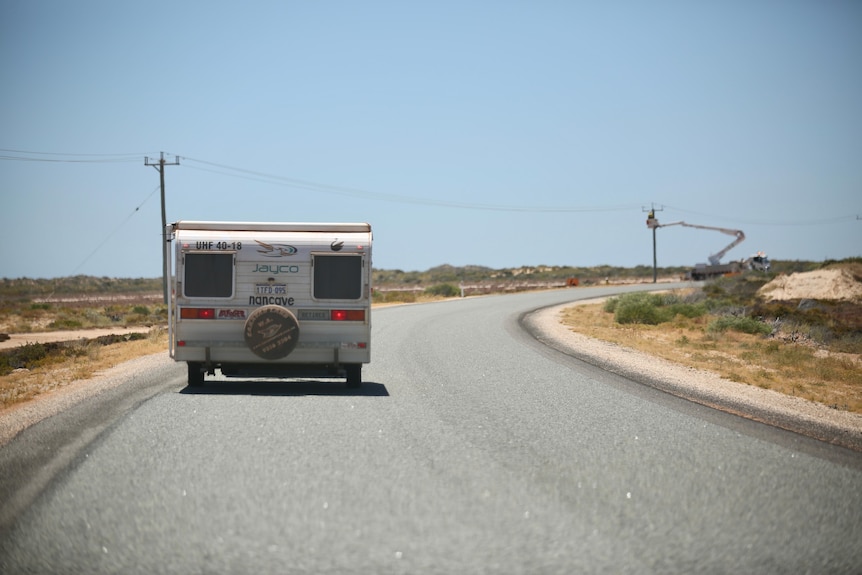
{"x": 471, "y": 448}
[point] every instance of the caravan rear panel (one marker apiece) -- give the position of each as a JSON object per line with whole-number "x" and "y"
{"x": 275, "y": 299}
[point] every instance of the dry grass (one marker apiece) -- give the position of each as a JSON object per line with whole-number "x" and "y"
{"x": 833, "y": 379}
{"x": 91, "y": 359}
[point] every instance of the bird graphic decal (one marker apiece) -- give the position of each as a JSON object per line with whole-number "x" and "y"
{"x": 275, "y": 250}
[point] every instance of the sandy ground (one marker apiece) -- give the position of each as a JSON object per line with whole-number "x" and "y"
{"x": 829, "y": 284}
{"x": 16, "y": 339}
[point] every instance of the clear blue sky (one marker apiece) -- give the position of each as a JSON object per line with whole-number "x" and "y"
{"x": 497, "y": 133}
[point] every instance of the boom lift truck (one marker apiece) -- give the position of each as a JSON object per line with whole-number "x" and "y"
{"x": 715, "y": 268}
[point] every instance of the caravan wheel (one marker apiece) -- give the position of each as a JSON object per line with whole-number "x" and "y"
{"x": 354, "y": 375}
{"x": 196, "y": 374}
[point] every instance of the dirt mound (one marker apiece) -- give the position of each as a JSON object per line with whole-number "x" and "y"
{"x": 829, "y": 284}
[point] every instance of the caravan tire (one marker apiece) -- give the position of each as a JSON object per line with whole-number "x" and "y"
{"x": 271, "y": 332}
{"x": 354, "y": 375}
{"x": 196, "y": 374}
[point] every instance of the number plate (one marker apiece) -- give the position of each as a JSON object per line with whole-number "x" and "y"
{"x": 270, "y": 289}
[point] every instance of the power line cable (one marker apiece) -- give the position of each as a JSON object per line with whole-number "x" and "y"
{"x": 251, "y": 175}
{"x": 353, "y": 192}
{"x": 117, "y": 229}
{"x": 810, "y": 222}
{"x": 64, "y": 157}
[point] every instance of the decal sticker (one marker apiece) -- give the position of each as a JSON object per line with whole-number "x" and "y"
{"x": 276, "y": 269}
{"x": 314, "y": 314}
{"x": 231, "y": 314}
{"x": 237, "y": 246}
{"x": 275, "y": 250}
{"x": 270, "y": 300}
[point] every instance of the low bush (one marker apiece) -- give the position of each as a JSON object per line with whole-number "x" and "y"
{"x": 381, "y": 297}
{"x": 689, "y": 310}
{"x": 741, "y": 324}
{"x": 652, "y": 308}
{"x": 24, "y": 356}
{"x": 443, "y": 290}
{"x": 66, "y": 323}
{"x": 640, "y": 310}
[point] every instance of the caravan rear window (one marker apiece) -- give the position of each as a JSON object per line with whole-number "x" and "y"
{"x": 208, "y": 275}
{"x": 337, "y": 277}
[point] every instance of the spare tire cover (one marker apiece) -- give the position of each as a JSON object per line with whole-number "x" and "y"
{"x": 271, "y": 332}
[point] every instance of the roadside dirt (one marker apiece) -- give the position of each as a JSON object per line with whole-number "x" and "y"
{"x": 16, "y": 339}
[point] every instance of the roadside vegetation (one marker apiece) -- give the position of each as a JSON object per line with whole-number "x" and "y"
{"x": 75, "y": 304}
{"x": 588, "y": 275}
{"x": 810, "y": 349}
{"x": 33, "y": 369}
{"x": 79, "y": 302}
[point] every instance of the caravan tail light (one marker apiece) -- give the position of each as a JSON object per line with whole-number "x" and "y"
{"x": 197, "y": 313}
{"x": 347, "y": 315}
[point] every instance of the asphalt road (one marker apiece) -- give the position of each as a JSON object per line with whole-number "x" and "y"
{"x": 471, "y": 448}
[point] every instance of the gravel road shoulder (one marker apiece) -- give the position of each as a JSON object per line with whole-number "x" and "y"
{"x": 17, "y": 418}
{"x": 792, "y": 413}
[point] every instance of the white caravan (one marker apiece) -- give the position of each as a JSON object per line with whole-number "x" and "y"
{"x": 270, "y": 299}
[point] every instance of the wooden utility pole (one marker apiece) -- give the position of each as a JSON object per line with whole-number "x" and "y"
{"x": 652, "y": 223}
{"x": 160, "y": 167}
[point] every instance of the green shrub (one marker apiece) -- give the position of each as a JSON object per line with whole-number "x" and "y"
{"x": 393, "y": 296}
{"x": 26, "y": 356}
{"x": 689, "y": 310}
{"x": 444, "y": 290}
{"x": 652, "y": 308}
{"x": 738, "y": 323}
{"x": 643, "y": 308}
{"x": 65, "y": 323}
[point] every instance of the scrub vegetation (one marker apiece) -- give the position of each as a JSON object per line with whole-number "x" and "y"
{"x": 809, "y": 348}
{"x": 33, "y": 369}
{"x": 79, "y": 302}
{"x": 806, "y": 348}
{"x": 73, "y": 306}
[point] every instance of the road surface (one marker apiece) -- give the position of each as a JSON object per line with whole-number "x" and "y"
{"x": 471, "y": 448}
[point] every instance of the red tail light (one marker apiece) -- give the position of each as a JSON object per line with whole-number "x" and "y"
{"x": 347, "y": 315}
{"x": 197, "y": 313}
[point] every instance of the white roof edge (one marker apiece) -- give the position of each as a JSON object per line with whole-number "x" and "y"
{"x": 272, "y": 226}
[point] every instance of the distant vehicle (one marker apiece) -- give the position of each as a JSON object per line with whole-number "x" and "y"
{"x": 757, "y": 262}
{"x": 715, "y": 268}
{"x": 271, "y": 299}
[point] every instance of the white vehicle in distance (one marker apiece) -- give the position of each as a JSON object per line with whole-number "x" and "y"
{"x": 258, "y": 299}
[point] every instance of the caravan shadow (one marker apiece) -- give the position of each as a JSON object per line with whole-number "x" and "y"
{"x": 281, "y": 387}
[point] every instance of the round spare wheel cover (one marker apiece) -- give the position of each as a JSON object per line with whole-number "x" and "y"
{"x": 271, "y": 332}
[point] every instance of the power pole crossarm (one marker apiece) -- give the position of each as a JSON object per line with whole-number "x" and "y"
{"x": 160, "y": 167}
